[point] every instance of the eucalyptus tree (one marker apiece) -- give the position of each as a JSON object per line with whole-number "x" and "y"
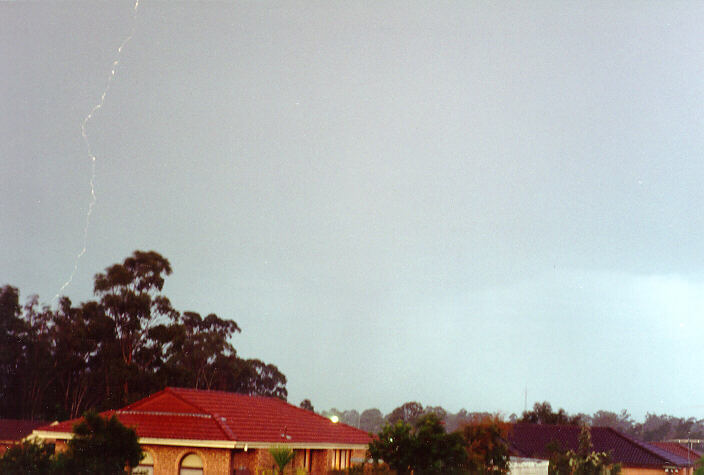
{"x": 130, "y": 294}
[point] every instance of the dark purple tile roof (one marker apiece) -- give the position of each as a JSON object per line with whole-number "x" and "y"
{"x": 531, "y": 440}
{"x": 679, "y": 459}
{"x": 17, "y": 429}
{"x": 678, "y": 449}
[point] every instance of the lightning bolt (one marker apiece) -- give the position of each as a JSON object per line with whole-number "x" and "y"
{"x": 93, "y": 158}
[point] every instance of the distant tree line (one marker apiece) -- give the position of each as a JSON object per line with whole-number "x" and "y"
{"x": 653, "y": 428}
{"x": 126, "y": 344}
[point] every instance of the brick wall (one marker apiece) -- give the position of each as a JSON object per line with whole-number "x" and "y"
{"x": 226, "y": 461}
{"x": 260, "y": 460}
{"x": 244, "y": 460}
{"x": 167, "y": 459}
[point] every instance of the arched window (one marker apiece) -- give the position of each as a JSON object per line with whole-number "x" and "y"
{"x": 191, "y": 464}
{"x": 146, "y": 465}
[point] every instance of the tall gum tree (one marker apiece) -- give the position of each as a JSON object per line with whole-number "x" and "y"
{"x": 130, "y": 294}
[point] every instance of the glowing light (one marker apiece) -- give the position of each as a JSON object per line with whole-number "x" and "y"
{"x": 334, "y": 419}
{"x": 93, "y": 158}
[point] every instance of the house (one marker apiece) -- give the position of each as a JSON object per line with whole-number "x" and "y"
{"x": 528, "y": 466}
{"x": 678, "y": 449}
{"x": 533, "y": 441}
{"x": 189, "y": 431}
{"x": 12, "y": 431}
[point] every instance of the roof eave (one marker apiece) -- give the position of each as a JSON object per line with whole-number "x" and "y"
{"x": 215, "y": 444}
{"x": 302, "y": 445}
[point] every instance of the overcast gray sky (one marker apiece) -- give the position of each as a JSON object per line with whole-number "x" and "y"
{"x": 437, "y": 201}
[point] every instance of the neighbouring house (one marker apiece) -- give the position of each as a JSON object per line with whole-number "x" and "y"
{"x": 681, "y": 450}
{"x": 527, "y": 466}
{"x": 532, "y": 441}
{"x": 12, "y": 431}
{"x": 189, "y": 431}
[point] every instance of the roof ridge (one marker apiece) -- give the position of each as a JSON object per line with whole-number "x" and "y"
{"x": 219, "y": 420}
{"x": 164, "y": 413}
{"x": 222, "y": 423}
{"x": 171, "y": 390}
{"x": 151, "y": 397}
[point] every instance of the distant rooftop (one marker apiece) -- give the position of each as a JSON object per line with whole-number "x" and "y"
{"x": 17, "y": 429}
{"x": 531, "y": 440}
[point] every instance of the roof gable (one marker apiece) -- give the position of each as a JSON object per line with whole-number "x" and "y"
{"x": 164, "y": 401}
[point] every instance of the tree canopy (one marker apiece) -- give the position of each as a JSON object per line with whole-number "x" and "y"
{"x": 542, "y": 413}
{"x": 426, "y": 448}
{"x": 407, "y": 412}
{"x": 29, "y": 458}
{"x": 371, "y": 420}
{"x": 487, "y": 449}
{"x": 583, "y": 461}
{"x": 396, "y": 446}
{"x": 101, "y": 446}
{"x": 127, "y": 343}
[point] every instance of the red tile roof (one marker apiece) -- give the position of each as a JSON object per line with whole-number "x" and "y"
{"x": 531, "y": 440}
{"x": 176, "y": 413}
{"x": 17, "y": 429}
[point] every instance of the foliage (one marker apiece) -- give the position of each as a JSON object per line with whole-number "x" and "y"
{"x": 282, "y": 456}
{"x": 583, "y": 461}
{"x": 437, "y": 410}
{"x": 307, "y": 405}
{"x": 102, "y": 446}
{"x": 622, "y": 422}
{"x": 395, "y": 446}
{"x": 436, "y": 450}
{"x": 423, "y": 448}
{"x": 542, "y": 413}
{"x": 255, "y": 377}
{"x": 28, "y": 458}
{"x": 408, "y": 413}
{"x": 351, "y": 418}
{"x": 700, "y": 467}
{"x": 487, "y": 450}
{"x": 130, "y": 295}
{"x": 371, "y": 420}
{"x": 127, "y": 344}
